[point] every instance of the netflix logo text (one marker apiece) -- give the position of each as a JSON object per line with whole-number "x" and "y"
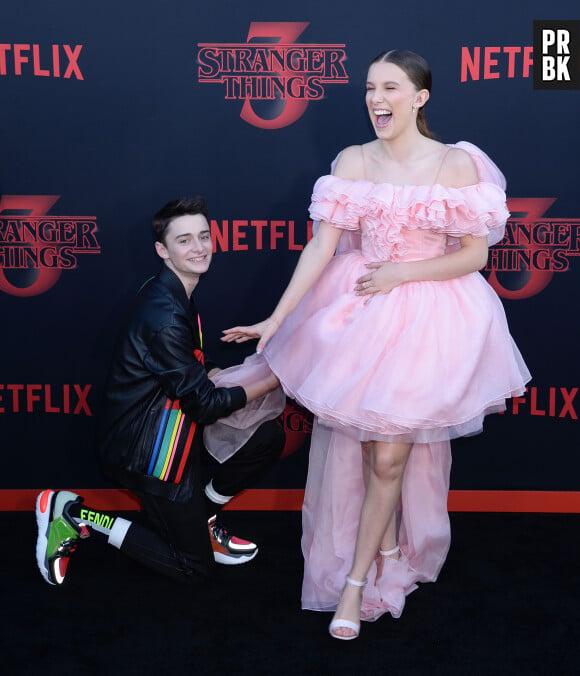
{"x": 44, "y": 398}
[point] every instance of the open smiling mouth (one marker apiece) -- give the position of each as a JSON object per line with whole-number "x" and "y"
{"x": 383, "y": 117}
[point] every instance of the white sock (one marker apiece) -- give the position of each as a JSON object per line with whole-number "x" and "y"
{"x": 214, "y": 496}
{"x": 118, "y": 532}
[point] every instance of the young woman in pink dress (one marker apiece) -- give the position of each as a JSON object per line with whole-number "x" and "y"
{"x": 389, "y": 334}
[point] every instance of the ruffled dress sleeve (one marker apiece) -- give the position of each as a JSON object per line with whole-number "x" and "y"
{"x": 483, "y": 210}
{"x": 479, "y": 210}
{"x": 339, "y": 202}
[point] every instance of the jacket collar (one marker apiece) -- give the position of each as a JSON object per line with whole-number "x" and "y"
{"x": 169, "y": 279}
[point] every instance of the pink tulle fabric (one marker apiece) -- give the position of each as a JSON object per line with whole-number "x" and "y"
{"x": 228, "y": 435}
{"x": 424, "y": 363}
{"x": 330, "y": 515}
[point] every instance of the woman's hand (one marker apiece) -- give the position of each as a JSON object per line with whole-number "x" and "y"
{"x": 263, "y": 330}
{"x": 382, "y": 278}
{"x": 385, "y": 276}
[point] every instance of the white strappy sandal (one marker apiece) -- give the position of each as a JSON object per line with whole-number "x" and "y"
{"x": 347, "y": 624}
{"x": 390, "y": 552}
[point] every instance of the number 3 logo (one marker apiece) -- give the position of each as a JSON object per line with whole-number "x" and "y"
{"x": 285, "y": 34}
{"x": 44, "y": 278}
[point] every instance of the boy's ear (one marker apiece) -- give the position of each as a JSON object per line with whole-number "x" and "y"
{"x": 161, "y": 250}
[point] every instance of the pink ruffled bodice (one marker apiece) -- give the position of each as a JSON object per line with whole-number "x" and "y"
{"x": 413, "y": 222}
{"x": 402, "y": 222}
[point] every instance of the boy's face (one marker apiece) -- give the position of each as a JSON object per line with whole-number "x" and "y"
{"x": 188, "y": 247}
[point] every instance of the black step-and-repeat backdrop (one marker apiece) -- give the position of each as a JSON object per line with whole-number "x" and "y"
{"x": 108, "y": 110}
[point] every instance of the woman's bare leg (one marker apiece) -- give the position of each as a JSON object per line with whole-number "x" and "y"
{"x": 385, "y": 465}
{"x": 389, "y": 540}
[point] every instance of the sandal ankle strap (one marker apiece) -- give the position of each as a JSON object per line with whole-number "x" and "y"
{"x": 356, "y": 583}
{"x": 390, "y": 552}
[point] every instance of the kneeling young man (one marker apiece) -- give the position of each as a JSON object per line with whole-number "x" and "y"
{"x": 157, "y": 399}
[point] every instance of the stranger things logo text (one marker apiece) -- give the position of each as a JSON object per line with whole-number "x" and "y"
{"x": 272, "y": 72}
{"x": 533, "y": 249}
{"x": 36, "y": 248}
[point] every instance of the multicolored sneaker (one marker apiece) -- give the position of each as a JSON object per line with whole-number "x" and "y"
{"x": 57, "y": 533}
{"x": 229, "y": 549}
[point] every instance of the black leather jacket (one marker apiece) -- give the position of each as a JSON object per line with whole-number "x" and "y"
{"x": 158, "y": 394}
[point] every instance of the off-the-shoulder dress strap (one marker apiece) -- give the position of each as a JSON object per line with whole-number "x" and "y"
{"x": 364, "y": 162}
{"x": 441, "y": 165}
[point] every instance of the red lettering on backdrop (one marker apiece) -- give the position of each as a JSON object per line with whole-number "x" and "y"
{"x": 36, "y": 398}
{"x": 519, "y": 60}
{"x": 42, "y": 72}
{"x": 259, "y": 225}
{"x": 511, "y": 52}
{"x": 272, "y": 67}
{"x": 534, "y": 410}
{"x": 32, "y": 397}
{"x": 287, "y": 33}
{"x": 48, "y": 398}
{"x": 250, "y": 236}
{"x": 37, "y": 247}
{"x": 568, "y": 408}
{"x": 552, "y": 402}
{"x": 275, "y": 234}
{"x": 292, "y": 246}
{"x": 56, "y": 60}
{"x": 535, "y": 280}
{"x": 21, "y": 57}
{"x": 239, "y": 235}
{"x": 489, "y": 63}
{"x": 34, "y": 205}
{"x": 15, "y": 389}
{"x": 297, "y": 423}
{"x": 66, "y": 399}
{"x": 73, "y": 66}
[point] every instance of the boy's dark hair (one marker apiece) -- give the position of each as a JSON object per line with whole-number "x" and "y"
{"x": 174, "y": 209}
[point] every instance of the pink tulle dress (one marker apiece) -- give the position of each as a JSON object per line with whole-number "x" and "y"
{"x": 423, "y": 363}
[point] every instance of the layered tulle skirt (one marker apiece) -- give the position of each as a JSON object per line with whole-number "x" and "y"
{"x": 425, "y": 362}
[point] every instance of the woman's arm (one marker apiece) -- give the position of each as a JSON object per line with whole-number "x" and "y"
{"x": 313, "y": 259}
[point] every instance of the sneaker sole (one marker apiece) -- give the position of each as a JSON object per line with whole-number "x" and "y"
{"x": 43, "y": 510}
{"x": 233, "y": 559}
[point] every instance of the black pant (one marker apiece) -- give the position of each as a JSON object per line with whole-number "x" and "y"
{"x": 252, "y": 461}
{"x": 177, "y": 543}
